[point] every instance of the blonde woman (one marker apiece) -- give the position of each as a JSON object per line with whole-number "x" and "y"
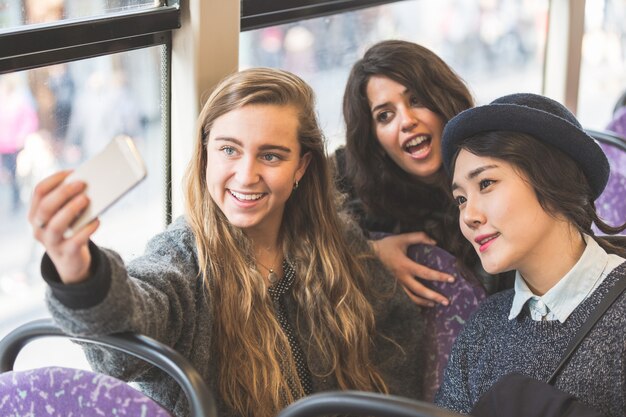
{"x": 261, "y": 285}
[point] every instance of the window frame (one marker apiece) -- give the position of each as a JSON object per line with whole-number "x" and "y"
{"x": 31, "y": 46}
{"x": 256, "y": 14}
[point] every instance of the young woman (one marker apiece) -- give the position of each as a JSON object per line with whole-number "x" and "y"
{"x": 261, "y": 285}
{"x": 525, "y": 176}
{"x": 397, "y": 99}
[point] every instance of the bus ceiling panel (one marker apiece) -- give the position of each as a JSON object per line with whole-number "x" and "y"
{"x": 51, "y": 38}
{"x": 256, "y": 14}
{"x": 57, "y": 56}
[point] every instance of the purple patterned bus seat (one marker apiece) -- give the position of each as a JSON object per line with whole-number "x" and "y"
{"x": 64, "y": 392}
{"x": 611, "y": 204}
{"x": 443, "y": 323}
{"x": 618, "y": 124}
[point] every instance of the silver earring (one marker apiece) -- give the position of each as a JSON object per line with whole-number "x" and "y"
{"x": 295, "y": 185}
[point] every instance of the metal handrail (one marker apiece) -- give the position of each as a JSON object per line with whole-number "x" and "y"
{"x": 608, "y": 137}
{"x": 201, "y": 400}
{"x": 356, "y": 403}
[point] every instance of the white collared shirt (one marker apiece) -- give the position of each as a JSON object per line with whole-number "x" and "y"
{"x": 579, "y": 283}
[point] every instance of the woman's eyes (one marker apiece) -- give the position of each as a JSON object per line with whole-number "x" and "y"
{"x": 383, "y": 116}
{"x": 228, "y": 150}
{"x": 387, "y": 115}
{"x": 482, "y": 184}
{"x": 266, "y": 157}
{"x": 270, "y": 157}
{"x": 485, "y": 183}
{"x": 459, "y": 200}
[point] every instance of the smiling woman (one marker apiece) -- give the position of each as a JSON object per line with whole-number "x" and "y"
{"x": 510, "y": 230}
{"x": 397, "y": 98}
{"x": 262, "y": 285}
{"x": 407, "y": 130}
{"x": 254, "y": 160}
{"x": 396, "y": 102}
{"x": 525, "y": 177}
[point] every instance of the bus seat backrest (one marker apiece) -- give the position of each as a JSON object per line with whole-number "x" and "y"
{"x": 618, "y": 124}
{"x": 57, "y": 391}
{"x": 611, "y": 205}
{"x": 443, "y": 323}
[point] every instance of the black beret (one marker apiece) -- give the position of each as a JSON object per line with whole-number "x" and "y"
{"x": 541, "y": 117}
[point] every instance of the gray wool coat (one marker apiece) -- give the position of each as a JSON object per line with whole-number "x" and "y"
{"x": 162, "y": 295}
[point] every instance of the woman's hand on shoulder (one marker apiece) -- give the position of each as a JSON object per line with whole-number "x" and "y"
{"x": 392, "y": 251}
{"x": 54, "y": 206}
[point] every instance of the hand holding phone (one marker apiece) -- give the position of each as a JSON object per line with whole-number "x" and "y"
{"x": 109, "y": 175}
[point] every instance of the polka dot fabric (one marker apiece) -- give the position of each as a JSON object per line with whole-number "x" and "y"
{"x": 276, "y": 293}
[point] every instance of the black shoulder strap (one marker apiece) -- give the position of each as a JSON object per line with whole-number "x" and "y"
{"x": 601, "y": 308}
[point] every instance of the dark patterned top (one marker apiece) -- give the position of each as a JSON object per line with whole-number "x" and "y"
{"x": 276, "y": 292}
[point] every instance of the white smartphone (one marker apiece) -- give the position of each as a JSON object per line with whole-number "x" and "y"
{"x": 109, "y": 175}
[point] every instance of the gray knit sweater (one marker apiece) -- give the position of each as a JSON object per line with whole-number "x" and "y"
{"x": 491, "y": 346}
{"x": 161, "y": 295}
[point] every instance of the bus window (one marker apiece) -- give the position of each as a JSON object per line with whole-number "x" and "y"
{"x": 15, "y": 13}
{"x": 58, "y": 116}
{"x": 603, "y": 66}
{"x": 497, "y": 46}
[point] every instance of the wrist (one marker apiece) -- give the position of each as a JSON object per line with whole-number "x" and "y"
{"x": 79, "y": 272}
{"x": 87, "y": 293}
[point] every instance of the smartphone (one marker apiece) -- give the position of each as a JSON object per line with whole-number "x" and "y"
{"x": 109, "y": 175}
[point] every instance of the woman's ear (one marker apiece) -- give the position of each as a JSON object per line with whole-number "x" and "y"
{"x": 303, "y": 165}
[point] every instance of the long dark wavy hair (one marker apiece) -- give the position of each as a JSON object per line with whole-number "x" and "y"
{"x": 559, "y": 183}
{"x": 385, "y": 189}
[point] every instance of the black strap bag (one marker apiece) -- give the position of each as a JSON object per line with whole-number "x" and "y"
{"x": 516, "y": 395}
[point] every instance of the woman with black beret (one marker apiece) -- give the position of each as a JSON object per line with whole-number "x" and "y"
{"x": 525, "y": 176}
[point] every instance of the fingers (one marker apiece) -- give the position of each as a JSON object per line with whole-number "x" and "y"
{"x": 82, "y": 237}
{"x": 392, "y": 251}
{"x": 413, "y": 238}
{"x": 420, "y": 294}
{"x": 425, "y": 272}
{"x": 57, "y": 205}
{"x": 61, "y": 220}
{"x": 418, "y": 300}
{"x": 84, "y": 234}
{"x": 386, "y": 246}
{"x": 41, "y": 190}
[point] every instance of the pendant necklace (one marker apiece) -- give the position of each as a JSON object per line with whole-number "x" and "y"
{"x": 272, "y": 276}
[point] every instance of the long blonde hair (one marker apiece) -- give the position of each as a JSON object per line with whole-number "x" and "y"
{"x": 330, "y": 281}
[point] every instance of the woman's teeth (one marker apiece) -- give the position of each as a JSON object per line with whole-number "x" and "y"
{"x": 247, "y": 197}
{"x": 415, "y": 142}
